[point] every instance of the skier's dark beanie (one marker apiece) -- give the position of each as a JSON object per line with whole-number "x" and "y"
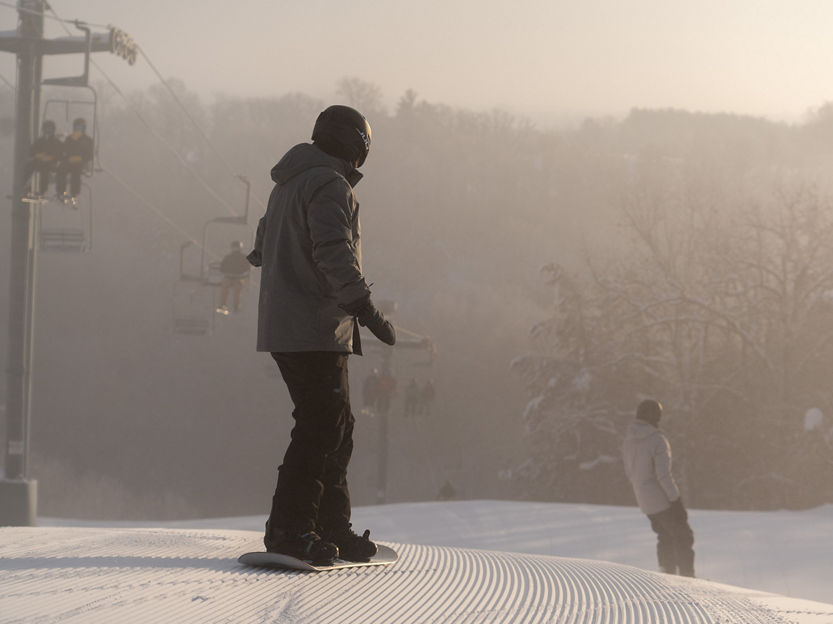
{"x": 650, "y": 411}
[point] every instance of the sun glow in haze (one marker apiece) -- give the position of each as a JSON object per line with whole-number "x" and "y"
{"x": 763, "y": 57}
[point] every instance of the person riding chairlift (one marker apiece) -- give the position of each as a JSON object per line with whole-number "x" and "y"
{"x": 44, "y": 155}
{"x": 235, "y": 269}
{"x": 78, "y": 153}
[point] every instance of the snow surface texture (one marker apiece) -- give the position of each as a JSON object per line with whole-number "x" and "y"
{"x": 179, "y": 575}
{"x": 120, "y": 574}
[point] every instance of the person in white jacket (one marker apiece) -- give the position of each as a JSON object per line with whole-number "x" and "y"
{"x": 647, "y": 458}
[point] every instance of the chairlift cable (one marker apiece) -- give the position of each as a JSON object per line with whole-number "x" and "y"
{"x": 167, "y": 145}
{"x": 179, "y": 102}
{"x": 191, "y": 118}
{"x": 8, "y": 83}
{"x": 158, "y": 137}
{"x": 157, "y": 211}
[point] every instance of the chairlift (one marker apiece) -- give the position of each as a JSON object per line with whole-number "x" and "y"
{"x": 66, "y": 229}
{"x": 71, "y": 108}
{"x": 218, "y": 242}
{"x": 67, "y": 224}
{"x": 195, "y": 296}
{"x": 218, "y": 235}
{"x": 193, "y": 301}
{"x": 63, "y": 111}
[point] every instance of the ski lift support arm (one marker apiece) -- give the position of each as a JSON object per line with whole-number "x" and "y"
{"x": 115, "y": 40}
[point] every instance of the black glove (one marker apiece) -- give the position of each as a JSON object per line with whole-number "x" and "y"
{"x": 678, "y": 510}
{"x": 369, "y": 316}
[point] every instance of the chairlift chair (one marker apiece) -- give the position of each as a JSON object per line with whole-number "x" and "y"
{"x": 233, "y": 228}
{"x": 65, "y": 229}
{"x": 64, "y": 110}
{"x": 195, "y": 291}
{"x": 193, "y": 302}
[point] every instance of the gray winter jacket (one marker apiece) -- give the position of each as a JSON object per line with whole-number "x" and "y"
{"x": 647, "y": 458}
{"x": 308, "y": 245}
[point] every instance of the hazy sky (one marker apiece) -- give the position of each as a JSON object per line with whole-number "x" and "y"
{"x": 535, "y": 57}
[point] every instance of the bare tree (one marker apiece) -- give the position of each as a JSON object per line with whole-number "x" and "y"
{"x": 726, "y": 318}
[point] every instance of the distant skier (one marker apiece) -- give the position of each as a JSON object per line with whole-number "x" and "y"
{"x": 78, "y": 153}
{"x": 427, "y": 394}
{"x": 412, "y": 398}
{"x": 447, "y": 492}
{"x": 235, "y": 269}
{"x": 386, "y": 390}
{"x": 313, "y": 297}
{"x": 44, "y": 155}
{"x": 370, "y": 389}
{"x": 647, "y": 458}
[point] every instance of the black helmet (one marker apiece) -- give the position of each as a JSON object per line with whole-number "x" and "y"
{"x": 79, "y": 124}
{"x": 48, "y": 127}
{"x": 343, "y": 132}
{"x": 650, "y": 411}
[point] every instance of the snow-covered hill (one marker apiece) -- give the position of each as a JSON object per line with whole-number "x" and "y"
{"x": 187, "y": 572}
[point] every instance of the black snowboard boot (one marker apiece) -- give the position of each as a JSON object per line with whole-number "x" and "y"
{"x": 352, "y": 547}
{"x": 308, "y": 546}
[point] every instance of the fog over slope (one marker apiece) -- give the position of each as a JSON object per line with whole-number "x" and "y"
{"x": 460, "y": 211}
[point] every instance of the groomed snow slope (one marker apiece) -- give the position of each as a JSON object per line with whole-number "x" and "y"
{"x": 147, "y": 575}
{"x": 780, "y": 552}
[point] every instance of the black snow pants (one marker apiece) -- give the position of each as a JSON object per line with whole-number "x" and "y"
{"x": 675, "y": 541}
{"x": 74, "y": 172}
{"x": 312, "y": 493}
{"x": 43, "y": 169}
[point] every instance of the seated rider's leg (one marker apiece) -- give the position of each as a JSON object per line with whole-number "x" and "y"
{"x": 43, "y": 174}
{"x": 75, "y": 181}
{"x": 224, "y": 288}
{"x": 28, "y": 170}
{"x": 237, "y": 286}
{"x": 61, "y": 180}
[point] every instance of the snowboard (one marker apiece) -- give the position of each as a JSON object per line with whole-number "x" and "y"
{"x": 385, "y": 556}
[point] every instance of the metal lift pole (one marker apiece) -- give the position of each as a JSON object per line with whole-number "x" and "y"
{"x": 18, "y": 493}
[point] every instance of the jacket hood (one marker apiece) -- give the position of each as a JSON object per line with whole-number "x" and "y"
{"x": 639, "y": 429}
{"x": 306, "y": 156}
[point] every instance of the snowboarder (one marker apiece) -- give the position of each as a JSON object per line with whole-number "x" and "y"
{"x": 78, "y": 153}
{"x": 647, "y": 459}
{"x": 44, "y": 155}
{"x": 235, "y": 269}
{"x": 313, "y": 297}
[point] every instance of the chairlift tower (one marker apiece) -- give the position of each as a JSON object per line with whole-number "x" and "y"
{"x": 18, "y": 492}
{"x": 412, "y": 342}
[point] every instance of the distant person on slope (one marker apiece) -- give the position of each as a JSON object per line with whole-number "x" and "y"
{"x": 647, "y": 458}
{"x": 313, "y": 297}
